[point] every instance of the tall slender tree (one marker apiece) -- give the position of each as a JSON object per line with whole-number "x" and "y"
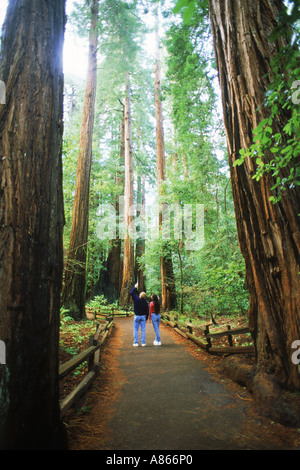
{"x": 31, "y": 213}
{"x": 110, "y": 281}
{"x": 128, "y": 251}
{"x": 74, "y": 289}
{"x": 140, "y": 236}
{"x": 167, "y": 275}
{"x": 269, "y": 234}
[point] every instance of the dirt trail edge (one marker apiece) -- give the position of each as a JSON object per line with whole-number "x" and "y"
{"x": 169, "y": 397}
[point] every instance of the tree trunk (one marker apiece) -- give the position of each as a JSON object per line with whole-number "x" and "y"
{"x": 269, "y": 234}
{"x": 32, "y": 219}
{"x": 115, "y": 262}
{"x": 168, "y": 294}
{"x": 110, "y": 280}
{"x": 74, "y": 289}
{"x": 128, "y": 251}
{"x": 140, "y": 242}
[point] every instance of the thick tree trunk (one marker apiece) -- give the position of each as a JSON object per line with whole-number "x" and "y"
{"x": 269, "y": 234}
{"x": 128, "y": 251}
{"x": 168, "y": 292}
{"x": 74, "y": 289}
{"x": 112, "y": 279}
{"x": 31, "y": 213}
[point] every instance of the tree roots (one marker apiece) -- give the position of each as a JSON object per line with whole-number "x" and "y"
{"x": 273, "y": 400}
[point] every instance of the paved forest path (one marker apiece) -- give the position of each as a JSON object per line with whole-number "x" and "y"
{"x": 170, "y": 397}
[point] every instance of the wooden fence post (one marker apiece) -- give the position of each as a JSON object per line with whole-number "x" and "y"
{"x": 206, "y": 332}
{"x": 229, "y": 336}
{"x": 91, "y": 361}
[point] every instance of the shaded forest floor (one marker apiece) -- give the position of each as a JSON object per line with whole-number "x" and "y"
{"x": 88, "y": 423}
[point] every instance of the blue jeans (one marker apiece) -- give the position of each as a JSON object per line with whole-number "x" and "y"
{"x": 139, "y": 321}
{"x": 155, "y": 318}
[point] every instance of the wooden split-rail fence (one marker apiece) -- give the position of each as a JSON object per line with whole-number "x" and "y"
{"x": 92, "y": 354}
{"x": 187, "y": 331}
{"x": 102, "y": 312}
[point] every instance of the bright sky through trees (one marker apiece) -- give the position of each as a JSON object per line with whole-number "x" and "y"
{"x": 75, "y": 48}
{"x": 3, "y": 7}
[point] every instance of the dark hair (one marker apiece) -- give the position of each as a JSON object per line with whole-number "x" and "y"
{"x": 156, "y": 303}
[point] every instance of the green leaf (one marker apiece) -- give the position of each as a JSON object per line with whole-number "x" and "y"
{"x": 188, "y": 12}
{"x": 288, "y": 128}
{"x": 179, "y": 5}
{"x": 261, "y": 125}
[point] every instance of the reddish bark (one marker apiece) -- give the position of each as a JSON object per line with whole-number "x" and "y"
{"x": 269, "y": 235}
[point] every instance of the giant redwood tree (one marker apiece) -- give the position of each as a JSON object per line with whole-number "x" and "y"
{"x": 31, "y": 213}
{"x": 74, "y": 288}
{"x": 269, "y": 234}
{"x": 168, "y": 293}
{"x": 128, "y": 250}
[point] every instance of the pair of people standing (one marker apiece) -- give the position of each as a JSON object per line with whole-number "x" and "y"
{"x": 141, "y": 314}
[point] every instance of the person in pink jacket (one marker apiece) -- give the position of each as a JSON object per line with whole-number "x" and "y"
{"x": 154, "y": 316}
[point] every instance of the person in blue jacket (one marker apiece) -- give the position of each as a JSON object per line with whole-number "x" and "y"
{"x": 141, "y": 313}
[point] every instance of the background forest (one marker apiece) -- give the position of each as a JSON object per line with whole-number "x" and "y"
{"x": 210, "y": 279}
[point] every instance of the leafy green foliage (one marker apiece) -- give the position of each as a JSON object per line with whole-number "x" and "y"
{"x": 73, "y": 333}
{"x": 97, "y": 302}
{"x": 187, "y": 8}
